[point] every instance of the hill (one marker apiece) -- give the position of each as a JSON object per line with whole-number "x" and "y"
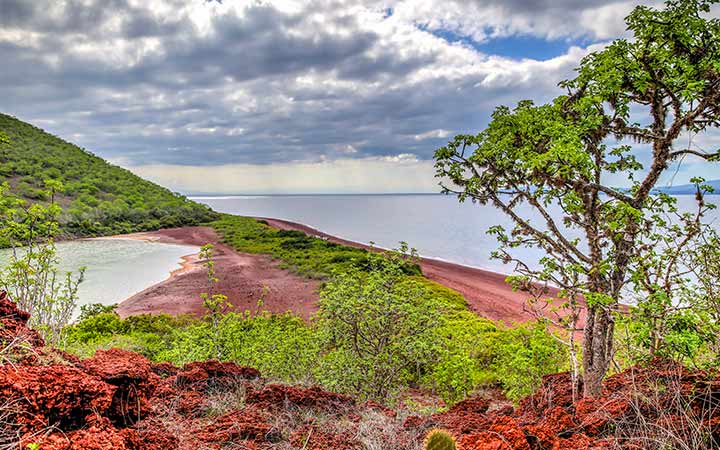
{"x": 689, "y": 189}
{"x": 98, "y": 198}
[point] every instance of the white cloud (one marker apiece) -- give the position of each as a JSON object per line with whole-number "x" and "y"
{"x": 432, "y": 134}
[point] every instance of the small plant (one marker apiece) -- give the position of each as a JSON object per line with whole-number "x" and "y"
{"x": 32, "y": 276}
{"x": 439, "y": 440}
{"x": 215, "y": 304}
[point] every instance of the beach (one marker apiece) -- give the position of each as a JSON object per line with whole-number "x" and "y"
{"x": 246, "y": 278}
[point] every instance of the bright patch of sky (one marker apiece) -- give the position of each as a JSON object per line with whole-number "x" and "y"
{"x": 516, "y": 47}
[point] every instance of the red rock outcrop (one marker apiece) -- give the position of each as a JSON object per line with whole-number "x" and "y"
{"x": 642, "y": 407}
{"x": 119, "y": 400}
{"x": 13, "y": 324}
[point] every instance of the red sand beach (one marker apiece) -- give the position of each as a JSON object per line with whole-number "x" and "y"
{"x": 486, "y": 292}
{"x": 243, "y": 277}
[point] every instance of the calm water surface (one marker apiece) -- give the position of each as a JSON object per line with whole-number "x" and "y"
{"x": 436, "y": 225}
{"x": 117, "y": 268}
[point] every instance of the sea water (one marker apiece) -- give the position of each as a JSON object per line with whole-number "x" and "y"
{"x": 438, "y": 226}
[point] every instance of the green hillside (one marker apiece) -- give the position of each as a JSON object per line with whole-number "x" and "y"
{"x": 97, "y": 198}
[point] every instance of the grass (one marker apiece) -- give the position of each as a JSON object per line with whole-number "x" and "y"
{"x": 302, "y": 254}
{"x": 317, "y": 258}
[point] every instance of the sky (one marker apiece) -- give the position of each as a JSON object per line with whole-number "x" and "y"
{"x": 315, "y": 96}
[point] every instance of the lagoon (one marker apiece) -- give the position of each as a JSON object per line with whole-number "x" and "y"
{"x": 117, "y": 268}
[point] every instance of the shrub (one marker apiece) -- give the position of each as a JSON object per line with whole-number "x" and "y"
{"x": 378, "y": 329}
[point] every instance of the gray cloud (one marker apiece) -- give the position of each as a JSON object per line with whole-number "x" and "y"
{"x": 252, "y": 83}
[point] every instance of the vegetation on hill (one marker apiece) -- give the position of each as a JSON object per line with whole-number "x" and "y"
{"x": 97, "y": 198}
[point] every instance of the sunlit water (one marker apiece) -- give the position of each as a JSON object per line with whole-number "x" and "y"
{"x": 436, "y": 225}
{"x": 117, "y": 268}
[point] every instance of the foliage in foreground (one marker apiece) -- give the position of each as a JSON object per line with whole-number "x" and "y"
{"x": 470, "y": 353}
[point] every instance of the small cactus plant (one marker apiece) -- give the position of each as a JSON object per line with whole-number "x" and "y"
{"x": 439, "y": 440}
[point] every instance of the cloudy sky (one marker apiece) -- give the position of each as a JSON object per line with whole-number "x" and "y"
{"x": 289, "y": 96}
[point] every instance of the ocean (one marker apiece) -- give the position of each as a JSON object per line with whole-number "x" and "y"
{"x": 438, "y": 226}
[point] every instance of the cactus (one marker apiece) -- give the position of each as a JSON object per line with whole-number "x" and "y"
{"x": 439, "y": 440}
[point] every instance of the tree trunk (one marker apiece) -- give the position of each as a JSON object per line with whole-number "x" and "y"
{"x": 597, "y": 349}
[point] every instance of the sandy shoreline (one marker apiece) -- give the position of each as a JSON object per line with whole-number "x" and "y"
{"x": 485, "y": 291}
{"x": 244, "y": 277}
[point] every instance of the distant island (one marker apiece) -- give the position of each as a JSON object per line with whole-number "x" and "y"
{"x": 689, "y": 189}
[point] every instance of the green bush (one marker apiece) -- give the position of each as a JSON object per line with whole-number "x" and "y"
{"x": 378, "y": 329}
{"x": 525, "y": 353}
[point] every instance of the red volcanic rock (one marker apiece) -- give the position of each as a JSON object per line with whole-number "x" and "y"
{"x": 135, "y": 382}
{"x": 557, "y": 422}
{"x": 467, "y": 416}
{"x": 246, "y": 425}
{"x": 576, "y": 442}
{"x": 280, "y": 396}
{"x": 504, "y": 433}
{"x": 13, "y": 324}
{"x": 150, "y": 434}
{"x": 313, "y": 438}
{"x": 59, "y": 396}
{"x": 191, "y": 403}
{"x": 476, "y": 405}
{"x": 117, "y": 366}
{"x": 417, "y": 422}
{"x": 375, "y": 406}
{"x": 99, "y": 435}
{"x": 212, "y": 370}
{"x": 594, "y": 415}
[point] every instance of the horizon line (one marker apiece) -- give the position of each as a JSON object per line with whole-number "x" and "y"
{"x": 275, "y": 194}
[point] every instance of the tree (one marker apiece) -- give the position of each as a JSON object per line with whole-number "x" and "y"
{"x": 378, "y": 326}
{"x": 547, "y": 166}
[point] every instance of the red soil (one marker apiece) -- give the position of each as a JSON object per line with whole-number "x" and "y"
{"x": 245, "y": 278}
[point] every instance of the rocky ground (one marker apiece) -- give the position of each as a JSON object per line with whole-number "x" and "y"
{"x": 119, "y": 400}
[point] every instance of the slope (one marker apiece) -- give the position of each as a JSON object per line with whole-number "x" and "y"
{"x": 97, "y": 198}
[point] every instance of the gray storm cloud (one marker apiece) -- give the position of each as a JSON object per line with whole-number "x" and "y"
{"x": 172, "y": 86}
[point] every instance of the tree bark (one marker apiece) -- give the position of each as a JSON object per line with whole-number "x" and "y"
{"x": 597, "y": 349}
